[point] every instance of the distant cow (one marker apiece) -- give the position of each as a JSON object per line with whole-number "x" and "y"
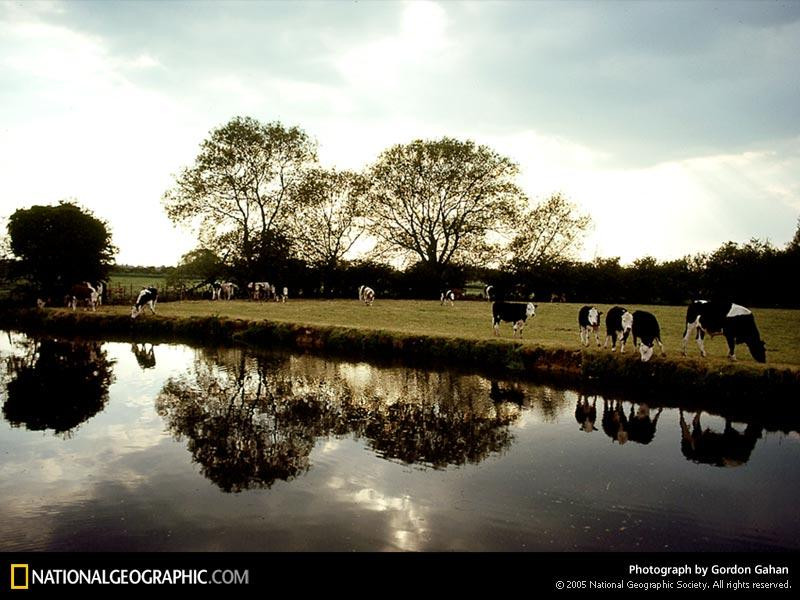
{"x": 228, "y": 289}
{"x": 147, "y": 298}
{"x": 618, "y": 325}
{"x": 735, "y": 322}
{"x": 589, "y": 317}
{"x": 284, "y": 294}
{"x": 83, "y": 292}
{"x": 259, "y": 290}
{"x": 447, "y": 296}
{"x": 366, "y": 295}
{"x": 512, "y": 312}
{"x": 645, "y": 329}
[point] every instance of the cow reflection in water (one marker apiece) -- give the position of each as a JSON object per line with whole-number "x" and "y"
{"x": 641, "y": 426}
{"x": 586, "y": 414}
{"x": 614, "y": 422}
{"x": 144, "y": 356}
{"x": 731, "y": 448}
{"x": 56, "y": 384}
{"x": 638, "y": 426}
{"x": 251, "y": 421}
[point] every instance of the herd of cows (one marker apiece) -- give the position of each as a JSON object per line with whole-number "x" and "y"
{"x": 703, "y": 317}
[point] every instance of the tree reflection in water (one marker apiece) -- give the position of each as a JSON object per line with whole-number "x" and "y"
{"x": 56, "y": 384}
{"x": 252, "y": 420}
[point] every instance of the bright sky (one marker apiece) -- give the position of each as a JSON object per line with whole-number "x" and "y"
{"x": 675, "y": 124}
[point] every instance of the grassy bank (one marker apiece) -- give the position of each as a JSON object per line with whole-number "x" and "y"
{"x": 424, "y": 332}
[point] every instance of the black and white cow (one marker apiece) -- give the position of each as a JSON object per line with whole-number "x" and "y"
{"x": 284, "y": 294}
{"x": 618, "y": 325}
{"x": 512, "y": 312}
{"x": 735, "y": 322}
{"x": 646, "y": 330}
{"x": 447, "y": 296}
{"x": 589, "y": 317}
{"x": 366, "y": 295}
{"x": 83, "y": 292}
{"x": 147, "y": 297}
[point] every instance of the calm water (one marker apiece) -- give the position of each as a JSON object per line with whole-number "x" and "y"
{"x": 114, "y": 446}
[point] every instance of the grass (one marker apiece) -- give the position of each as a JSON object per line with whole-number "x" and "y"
{"x": 555, "y": 325}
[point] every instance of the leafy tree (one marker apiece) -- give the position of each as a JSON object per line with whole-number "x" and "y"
{"x": 795, "y": 243}
{"x": 550, "y": 231}
{"x": 58, "y": 246}
{"x": 327, "y": 219}
{"x": 239, "y": 189}
{"x": 437, "y": 200}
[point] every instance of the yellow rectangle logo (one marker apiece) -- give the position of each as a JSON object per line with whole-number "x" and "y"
{"x": 15, "y": 569}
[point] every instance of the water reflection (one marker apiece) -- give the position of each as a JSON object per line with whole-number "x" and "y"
{"x": 252, "y": 420}
{"x": 145, "y": 357}
{"x": 730, "y": 448}
{"x": 56, "y": 384}
{"x": 586, "y": 414}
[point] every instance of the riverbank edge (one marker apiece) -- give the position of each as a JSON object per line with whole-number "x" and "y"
{"x": 594, "y": 369}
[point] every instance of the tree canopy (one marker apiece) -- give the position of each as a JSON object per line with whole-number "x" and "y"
{"x": 550, "y": 231}
{"x": 328, "y": 214}
{"x": 238, "y": 191}
{"x": 58, "y": 246}
{"x": 438, "y": 200}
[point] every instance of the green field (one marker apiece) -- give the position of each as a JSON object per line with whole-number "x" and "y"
{"x": 555, "y": 325}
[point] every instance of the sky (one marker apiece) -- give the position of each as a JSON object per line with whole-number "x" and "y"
{"x": 675, "y": 125}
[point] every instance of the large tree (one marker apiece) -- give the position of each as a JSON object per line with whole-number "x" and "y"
{"x": 239, "y": 189}
{"x": 438, "y": 201}
{"x": 58, "y": 246}
{"x": 328, "y": 216}
{"x": 551, "y": 231}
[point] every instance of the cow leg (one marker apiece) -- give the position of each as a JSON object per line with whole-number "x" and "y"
{"x": 661, "y": 345}
{"x": 622, "y": 339}
{"x": 584, "y": 337}
{"x": 596, "y": 337}
{"x": 613, "y": 341}
{"x": 700, "y": 341}
{"x": 731, "y": 346}
{"x": 520, "y": 326}
{"x": 686, "y": 333}
{"x": 152, "y": 306}
{"x": 496, "y": 327}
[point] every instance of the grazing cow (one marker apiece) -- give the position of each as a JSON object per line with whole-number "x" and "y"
{"x": 366, "y": 295}
{"x": 618, "y": 325}
{"x": 228, "y": 289}
{"x": 645, "y": 329}
{"x": 284, "y": 294}
{"x": 147, "y": 297}
{"x": 512, "y": 312}
{"x": 735, "y": 322}
{"x": 447, "y": 296}
{"x": 82, "y": 292}
{"x": 216, "y": 290}
{"x": 589, "y": 316}
{"x": 489, "y": 294}
{"x": 259, "y": 290}
{"x": 731, "y": 448}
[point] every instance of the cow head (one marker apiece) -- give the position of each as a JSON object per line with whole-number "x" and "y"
{"x": 627, "y": 322}
{"x": 758, "y": 350}
{"x": 646, "y": 352}
{"x": 594, "y": 317}
{"x": 530, "y": 310}
{"x": 135, "y": 312}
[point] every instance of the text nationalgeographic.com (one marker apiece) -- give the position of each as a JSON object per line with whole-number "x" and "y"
{"x": 128, "y": 577}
